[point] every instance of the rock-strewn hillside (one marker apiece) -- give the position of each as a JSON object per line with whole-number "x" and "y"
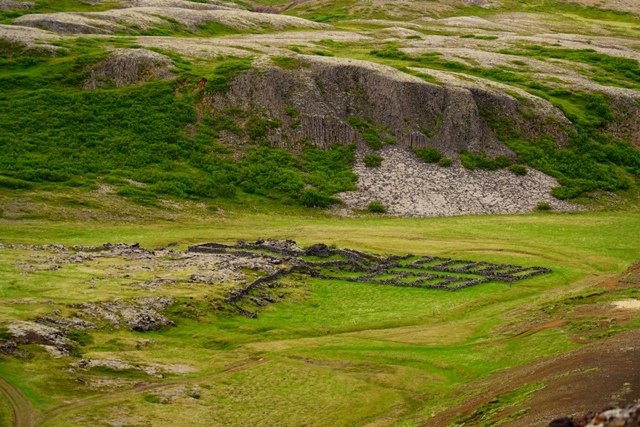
{"x": 408, "y": 187}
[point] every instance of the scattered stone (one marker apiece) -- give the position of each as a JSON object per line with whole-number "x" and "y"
{"x": 627, "y": 304}
{"x": 35, "y": 333}
{"x": 144, "y": 320}
{"x": 65, "y": 324}
{"x": 142, "y": 314}
{"x": 613, "y": 417}
{"x": 8, "y": 347}
{"x": 154, "y": 284}
{"x": 114, "y": 364}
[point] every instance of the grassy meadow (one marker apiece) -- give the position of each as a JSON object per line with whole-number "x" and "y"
{"x": 334, "y": 352}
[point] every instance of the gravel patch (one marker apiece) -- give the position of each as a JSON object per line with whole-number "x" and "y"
{"x": 406, "y": 186}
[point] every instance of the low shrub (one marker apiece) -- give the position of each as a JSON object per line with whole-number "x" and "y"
{"x": 518, "y": 170}
{"x": 225, "y": 72}
{"x": 543, "y": 206}
{"x": 376, "y": 207}
{"x": 372, "y": 160}
{"x": 429, "y": 154}
{"x": 445, "y": 162}
{"x": 479, "y": 161}
{"x": 315, "y": 199}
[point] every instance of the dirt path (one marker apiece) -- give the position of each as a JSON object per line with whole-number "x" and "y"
{"x": 23, "y": 413}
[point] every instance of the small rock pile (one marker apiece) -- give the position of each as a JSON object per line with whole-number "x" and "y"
{"x": 613, "y": 417}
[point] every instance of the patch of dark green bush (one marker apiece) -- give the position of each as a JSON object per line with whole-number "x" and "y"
{"x": 591, "y": 162}
{"x": 391, "y": 51}
{"x": 14, "y": 184}
{"x": 258, "y": 128}
{"x": 372, "y": 160}
{"x": 445, "y": 162}
{"x": 81, "y": 337}
{"x": 543, "y": 206}
{"x": 330, "y": 170}
{"x": 376, "y": 207}
{"x": 429, "y": 154}
{"x": 315, "y": 199}
{"x": 478, "y": 161}
{"x": 518, "y": 170}
{"x": 369, "y": 132}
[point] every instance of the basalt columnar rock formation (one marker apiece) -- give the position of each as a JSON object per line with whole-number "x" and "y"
{"x": 326, "y": 92}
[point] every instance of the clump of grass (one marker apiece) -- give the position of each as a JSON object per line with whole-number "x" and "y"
{"x": 478, "y": 161}
{"x": 391, "y": 51}
{"x": 518, "y": 170}
{"x": 259, "y": 127}
{"x": 543, "y": 206}
{"x": 372, "y": 160}
{"x": 376, "y": 207}
{"x": 445, "y": 162}
{"x": 81, "y": 337}
{"x": 288, "y": 62}
{"x": 315, "y": 199}
{"x": 294, "y": 115}
{"x": 432, "y": 132}
{"x": 224, "y": 73}
{"x": 151, "y": 398}
{"x": 368, "y": 130}
{"x": 429, "y": 154}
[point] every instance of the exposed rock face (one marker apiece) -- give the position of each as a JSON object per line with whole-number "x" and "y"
{"x": 409, "y": 187}
{"x": 65, "y": 324}
{"x": 11, "y": 4}
{"x": 52, "y": 339}
{"x": 142, "y": 314}
{"x": 326, "y": 92}
{"x": 113, "y": 364}
{"x": 28, "y": 39}
{"x": 129, "y": 66}
{"x": 626, "y": 110}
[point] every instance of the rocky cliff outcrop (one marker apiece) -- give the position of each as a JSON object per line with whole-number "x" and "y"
{"x": 318, "y": 101}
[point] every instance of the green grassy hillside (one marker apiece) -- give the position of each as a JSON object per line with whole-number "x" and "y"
{"x": 54, "y": 134}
